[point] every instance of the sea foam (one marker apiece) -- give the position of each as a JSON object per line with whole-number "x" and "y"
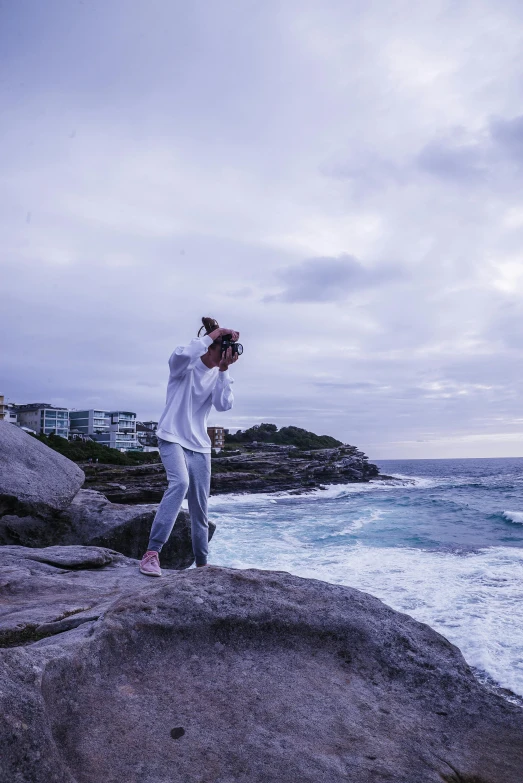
{"x": 513, "y": 516}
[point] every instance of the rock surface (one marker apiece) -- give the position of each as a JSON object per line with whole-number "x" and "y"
{"x": 217, "y": 675}
{"x": 33, "y": 477}
{"x": 96, "y": 521}
{"x": 93, "y": 521}
{"x": 265, "y": 468}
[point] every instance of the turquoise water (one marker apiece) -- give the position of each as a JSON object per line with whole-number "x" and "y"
{"x": 442, "y": 541}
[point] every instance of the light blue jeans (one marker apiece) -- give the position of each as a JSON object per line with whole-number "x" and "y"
{"x": 188, "y": 473}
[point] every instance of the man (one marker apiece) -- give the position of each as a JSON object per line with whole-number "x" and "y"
{"x": 199, "y": 378}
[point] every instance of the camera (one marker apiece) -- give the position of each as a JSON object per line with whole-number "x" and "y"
{"x": 227, "y": 342}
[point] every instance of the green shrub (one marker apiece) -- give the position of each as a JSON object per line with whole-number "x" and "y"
{"x": 83, "y": 451}
{"x": 287, "y": 436}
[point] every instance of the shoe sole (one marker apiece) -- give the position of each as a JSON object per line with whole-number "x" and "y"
{"x": 148, "y": 573}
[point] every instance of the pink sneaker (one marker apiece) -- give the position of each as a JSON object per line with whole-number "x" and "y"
{"x": 150, "y": 564}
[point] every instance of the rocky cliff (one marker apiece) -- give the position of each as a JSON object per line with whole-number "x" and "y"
{"x": 263, "y": 468}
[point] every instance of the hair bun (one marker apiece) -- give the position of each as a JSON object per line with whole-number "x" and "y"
{"x": 209, "y": 324}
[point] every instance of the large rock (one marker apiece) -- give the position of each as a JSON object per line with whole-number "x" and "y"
{"x": 56, "y": 588}
{"x": 92, "y": 520}
{"x": 95, "y": 521}
{"x": 34, "y": 479}
{"x": 216, "y": 675}
{"x": 31, "y": 530}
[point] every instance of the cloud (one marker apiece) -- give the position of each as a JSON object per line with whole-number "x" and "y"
{"x": 327, "y": 280}
{"x": 508, "y": 135}
{"x": 367, "y": 172}
{"x": 361, "y": 386}
{"x": 472, "y": 158}
{"x": 454, "y": 161}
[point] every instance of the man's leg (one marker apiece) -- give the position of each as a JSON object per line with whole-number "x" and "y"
{"x": 173, "y": 459}
{"x": 199, "y": 467}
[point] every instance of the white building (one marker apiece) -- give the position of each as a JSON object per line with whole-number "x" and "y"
{"x": 7, "y": 411}
{"x": 115, "y": 429}
{"x": 146, "y": 434}
{"x": 10, "y": 414}
{"x": 43, "y": 419}
{"x": 90, "y": 422}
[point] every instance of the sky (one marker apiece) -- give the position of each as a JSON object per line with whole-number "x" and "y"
{"x": 339, "y": 180}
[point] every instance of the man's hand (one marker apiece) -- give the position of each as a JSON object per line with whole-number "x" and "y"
{"x": 227, "y": 359}
{"x": 221, "y": 331}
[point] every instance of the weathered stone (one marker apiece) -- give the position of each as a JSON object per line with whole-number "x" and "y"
{"x": 33, "y": 477}
{"x": 69, "y": 556}
{"x": 137, "y": 484}
{"x": 32, "y": 531}
{"x": 220, "y": 675}
{"x": 44, "y": 587}
{"x": 93, "y": 521}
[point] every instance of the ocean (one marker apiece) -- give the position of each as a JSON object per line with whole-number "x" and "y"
{"x": 442, "y": 541}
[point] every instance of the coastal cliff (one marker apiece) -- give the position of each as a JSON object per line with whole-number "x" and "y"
{"x": 253, "y": 468}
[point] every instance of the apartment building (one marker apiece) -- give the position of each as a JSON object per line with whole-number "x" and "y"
{"x": 7, "y": 411}
{"x": 44, "y": 419}
{"x": 217, "y": 436}
{"x": 90, "y": 422}
{"x": 146, "y": 433}
{"x": 123, "y": 431}
{"x": 10, "y": 414}
{"x": 115, "y": 429}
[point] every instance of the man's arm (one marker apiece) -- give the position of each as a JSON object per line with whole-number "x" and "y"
{"x": 222, "y": 396}
{"x": 184, "y": 356}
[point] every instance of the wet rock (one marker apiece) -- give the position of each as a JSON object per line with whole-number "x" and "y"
{"x": 263, "y": 470}
{"x": 34, "y": 479}
{"x": 251, "y": 676}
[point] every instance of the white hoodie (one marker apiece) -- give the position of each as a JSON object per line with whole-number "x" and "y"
{"x": 191, "y": 391}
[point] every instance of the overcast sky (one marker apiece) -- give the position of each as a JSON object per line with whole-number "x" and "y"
{"x": 339, "y": 180}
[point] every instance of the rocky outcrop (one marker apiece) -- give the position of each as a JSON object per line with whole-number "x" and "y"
{"x": 127, "y": 484}
{"x": 41, "y": 505}
{"x": 34, "y": 479}
{"x": 223, "y": 675}
{"x": 263, "y": 468}
{"x": 95, "y": 521}
{"x": 92, "y": 520}
{"x": 287, "y": 468}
